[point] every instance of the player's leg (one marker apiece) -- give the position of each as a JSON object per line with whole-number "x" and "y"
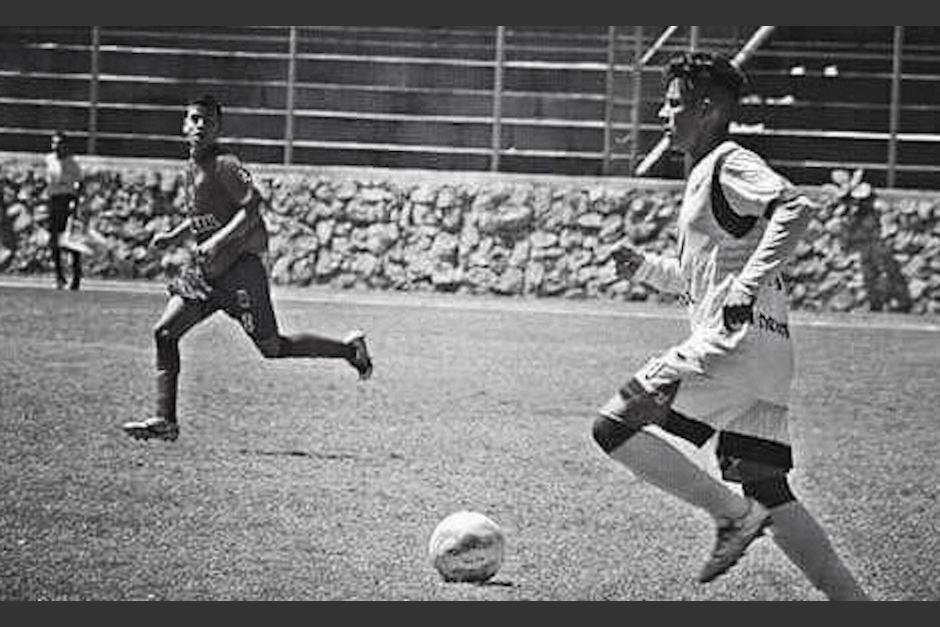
{"x": 248, "y": 300}
{"x": 58, "y": 215}
{"x": 761, "y": 466}
{"x": 179, "y": 317}
{"x": 647, "y": 399}
{"x": 76, "y": 271}
{"x": 668, "y": 391}
{"x": 805, "y": 543}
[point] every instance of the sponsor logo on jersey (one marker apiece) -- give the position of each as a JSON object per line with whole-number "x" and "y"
{"x": 204, "y": 223}
{"x": 769, "y": 323}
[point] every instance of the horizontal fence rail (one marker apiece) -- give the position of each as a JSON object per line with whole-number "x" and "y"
{"x": 567, "y": 100}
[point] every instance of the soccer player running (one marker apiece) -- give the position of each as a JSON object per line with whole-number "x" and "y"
{"x": 738, "y": 224}
{"x": 227, "y": 272}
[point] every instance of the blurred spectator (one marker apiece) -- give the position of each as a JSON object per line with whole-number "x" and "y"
{"x": 64, "y": 184}
{"x": 884, "y": 282}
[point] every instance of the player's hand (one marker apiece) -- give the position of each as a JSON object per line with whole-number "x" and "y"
{"x": 627, "y": 257}
{"x": 738, "y": 309}
{"x": 206, "y": 251}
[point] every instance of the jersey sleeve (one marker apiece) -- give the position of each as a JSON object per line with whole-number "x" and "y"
{"x": 235, "y": 178}
{"x": 751, "y": 187}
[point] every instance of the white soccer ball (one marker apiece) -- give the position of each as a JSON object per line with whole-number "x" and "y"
{"x": 467, "y": 546}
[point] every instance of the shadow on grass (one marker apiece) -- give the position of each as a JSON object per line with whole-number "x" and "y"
{"x": 492, "y": 583}
{"x": 296, "y": 453}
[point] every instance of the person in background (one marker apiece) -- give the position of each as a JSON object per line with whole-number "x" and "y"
{"x": 225, "y": 273}
{"x": 63, "y": 187}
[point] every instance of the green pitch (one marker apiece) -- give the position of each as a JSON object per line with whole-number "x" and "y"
{"x": 292, "y": 480}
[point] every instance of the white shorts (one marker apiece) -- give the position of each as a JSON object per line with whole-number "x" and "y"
{"x": 738, "y": 382}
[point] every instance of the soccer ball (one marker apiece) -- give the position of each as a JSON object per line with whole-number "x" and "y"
{"x": 467, "y": 546}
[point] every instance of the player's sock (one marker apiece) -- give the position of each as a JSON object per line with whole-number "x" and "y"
{"x": 803, "y": 540}
{"x": 309, "y": 345}
{"x": 76, "y": 271}
{"x": 166, "y": 383}
{"x": 57, "y": 264}
{"x": 659, "y": 463}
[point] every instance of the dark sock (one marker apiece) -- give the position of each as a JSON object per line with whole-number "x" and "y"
{"x": 57, "y": 264}
{"x": 166, "y": 395}
{"x": 76, "y": 270}
{"x": 309, "y": 345}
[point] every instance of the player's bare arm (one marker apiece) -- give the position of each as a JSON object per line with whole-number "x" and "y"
{"x": 659, "y": 272}
{"x": 173, "y": 236}
{"x": 234, "y": 231}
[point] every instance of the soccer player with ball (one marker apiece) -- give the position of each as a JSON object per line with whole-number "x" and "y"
{"x": 730, "y": 378}
{"x": 225, "y": 271}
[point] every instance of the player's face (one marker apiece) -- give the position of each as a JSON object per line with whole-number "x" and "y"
{"x": 679, "y": 117}
{"x": 58, "y": 146}
{"x": 200, "y": 126}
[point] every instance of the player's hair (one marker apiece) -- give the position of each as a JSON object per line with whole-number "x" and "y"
{"x": 207, "y": 101}
{"x": 61, "y": 135}
{"x": 707, "y": 74}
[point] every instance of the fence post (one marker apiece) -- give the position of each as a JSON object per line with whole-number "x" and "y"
{"x": 693, "y": 47}
{"x": 289, "y": 97}
{"x": 609, "y": 96}
{"x": 93, "y": 91}
{"x": 498, "y": 97}
{"x": 636, "y": 117}
{"x": 895, "y": 106}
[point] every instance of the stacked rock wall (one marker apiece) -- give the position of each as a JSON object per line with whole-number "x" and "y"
{"x": 474, "y": 233}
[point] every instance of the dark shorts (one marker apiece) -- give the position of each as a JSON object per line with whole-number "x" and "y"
{"x": 60, "y": 208}
{"x": 242, "y": 293}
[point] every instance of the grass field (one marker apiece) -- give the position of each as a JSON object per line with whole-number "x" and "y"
{"x": 293, "y": 481}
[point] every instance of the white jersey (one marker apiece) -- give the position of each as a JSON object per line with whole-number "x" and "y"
{"x": 726, "y": 237}
{"x": 62, "y": 175}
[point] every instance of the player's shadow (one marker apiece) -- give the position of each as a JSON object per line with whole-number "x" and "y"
{"x": 491, "y": 583}
{"x": 298, "y": 453}
{"x": 497, "y": 583}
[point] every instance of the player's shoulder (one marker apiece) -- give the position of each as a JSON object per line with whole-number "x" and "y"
{"x": 744, "y": 164}
{"x": 229, "y": 164}
{"x": 738, "y": 157}
{"x": 225, "y": 158}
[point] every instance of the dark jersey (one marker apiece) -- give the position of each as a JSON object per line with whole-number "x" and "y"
{"x": 218, "y": 186}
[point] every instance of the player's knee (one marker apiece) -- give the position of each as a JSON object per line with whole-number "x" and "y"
{"x": 770, "y": 492}
{"x": 760, "y": 466}
{"x": 634, "y": 406}
{"x": 270, "y": 348}
{"x": 626, "y": 413}
{"x": 611, "y": 434}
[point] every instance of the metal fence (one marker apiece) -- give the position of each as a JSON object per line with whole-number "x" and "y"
{"x": 568, "y": 100}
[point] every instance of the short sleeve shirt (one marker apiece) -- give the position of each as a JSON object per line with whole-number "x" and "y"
{"x": 218, "y": 185}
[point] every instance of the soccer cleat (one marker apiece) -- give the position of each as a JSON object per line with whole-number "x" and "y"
{"x": 158, "y": 428}
{"x": 734, "y": 536}
{"x": 360, "y": 360}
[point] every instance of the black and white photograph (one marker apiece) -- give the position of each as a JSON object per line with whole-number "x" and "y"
{"x": 469, "y": 313}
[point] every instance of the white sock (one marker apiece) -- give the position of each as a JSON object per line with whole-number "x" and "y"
{"x": 803, "y": 540}
{"x": 662, "y": 465}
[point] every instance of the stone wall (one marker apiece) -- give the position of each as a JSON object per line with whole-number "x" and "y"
{"x": 476, "y": 233}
